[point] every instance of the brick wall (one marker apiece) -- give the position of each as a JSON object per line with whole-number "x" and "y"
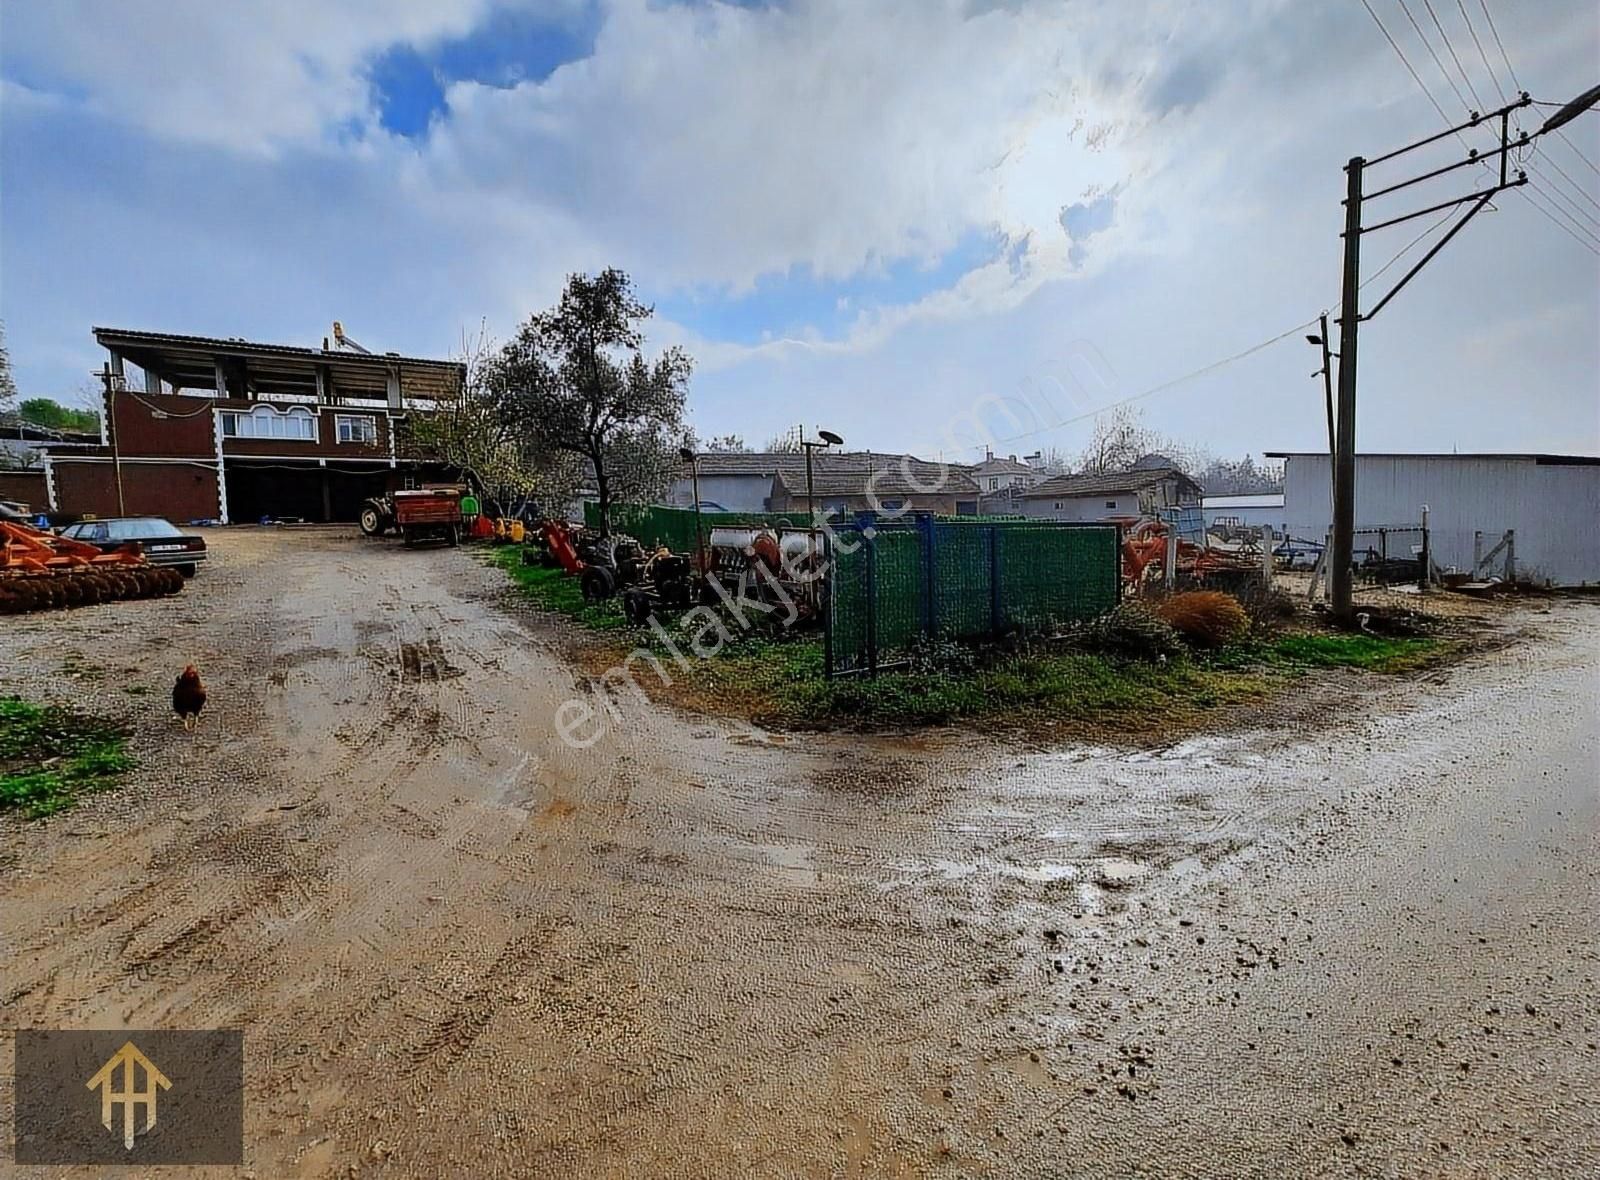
{"x": 25, "y": 487}
{"x": 177, "y": 491}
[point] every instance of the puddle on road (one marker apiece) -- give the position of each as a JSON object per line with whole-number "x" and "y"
{"x": 1115, "y": 872}
{"x": 795, "y": 863}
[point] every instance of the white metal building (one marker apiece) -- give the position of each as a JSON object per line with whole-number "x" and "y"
{"x": 1252, "y": 510}
{"x": 1551, "y": 501}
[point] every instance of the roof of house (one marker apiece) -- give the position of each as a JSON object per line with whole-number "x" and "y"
{"x": 847, "y": 473}
{"x": 1107, "y": 482}
{"x": 1244, "y": 500}
{"x": 14, "y": 426}
{"x": 1002, "y": 465}
{"x": 1554, "y": 460}
{"x": 190, "y": 361}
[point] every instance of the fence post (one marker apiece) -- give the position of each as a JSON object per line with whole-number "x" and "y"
{"x": 996, "y": 603}
{"x": 825, "y": 591}
{"x": 1383, "y": 555}
{"x": 1266, "y": 555}
{"x": 870, "y": 539}
{"x": 1477, "y": 552}
{"x": 1169, "y": 573}
{"x": 1426, "y": 580}
{"x": 930, "y": 590}
{"x": 1511, "y": 555}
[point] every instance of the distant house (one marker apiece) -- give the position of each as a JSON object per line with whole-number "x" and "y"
{"x": 845, "y": 482}
{"x": 1110, "y": 495}
{"x": 1254, "y": 510}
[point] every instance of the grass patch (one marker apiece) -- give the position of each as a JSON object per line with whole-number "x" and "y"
{"x": 49, "y": 756}
{"x": 1303, "y": 650}
{"x": 777, "y": 677}
{"x": 555, "y": 590}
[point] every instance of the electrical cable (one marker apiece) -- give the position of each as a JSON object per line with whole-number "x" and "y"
{"x": 1428, "y": 45}
{"x": 1482, "y": 56}
{"x": 1445, "y": 37}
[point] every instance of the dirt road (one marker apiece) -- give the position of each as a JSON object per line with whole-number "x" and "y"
{"x": 459, "y": 947}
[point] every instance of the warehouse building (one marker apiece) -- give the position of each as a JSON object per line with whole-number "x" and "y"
{"x": 1549, "y": 503}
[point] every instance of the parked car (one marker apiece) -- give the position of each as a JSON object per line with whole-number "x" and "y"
{"x": 160, "y": 540}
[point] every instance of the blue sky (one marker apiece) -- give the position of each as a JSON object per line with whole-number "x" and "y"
{"x": 886, "y": 219}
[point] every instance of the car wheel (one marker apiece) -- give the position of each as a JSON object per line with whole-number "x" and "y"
{"x": 189, "y": 569}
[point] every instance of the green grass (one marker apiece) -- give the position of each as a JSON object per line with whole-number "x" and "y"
{"x": 555, "y": 590}
{"x": 49, "y": 756}
{"x": 1305, "y": 650}
{"x": 778, "y": 678}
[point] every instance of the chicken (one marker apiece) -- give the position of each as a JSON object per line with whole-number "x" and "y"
{"x": 188, "y": 697}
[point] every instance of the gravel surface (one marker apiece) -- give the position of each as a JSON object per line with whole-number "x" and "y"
{"x": 458, "y": 946}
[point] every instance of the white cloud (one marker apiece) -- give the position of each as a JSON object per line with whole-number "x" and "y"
{"x": 244, "y": 76}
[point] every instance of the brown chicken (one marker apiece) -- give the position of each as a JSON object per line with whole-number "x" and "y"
{"x": 189, "y": 697}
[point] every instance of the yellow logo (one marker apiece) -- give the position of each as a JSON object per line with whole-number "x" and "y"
{"x": 132, "y": 1061}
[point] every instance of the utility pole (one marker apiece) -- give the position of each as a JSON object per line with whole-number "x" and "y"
{"x": 116, "y": 443}
{"x": 1351, "y": 316}
{"x": 1344, "y": 455}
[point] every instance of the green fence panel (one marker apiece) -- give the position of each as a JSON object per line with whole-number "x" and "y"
{"x": 963, "y": 579}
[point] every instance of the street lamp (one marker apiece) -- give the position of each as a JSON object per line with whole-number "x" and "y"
{"x": 828, "y": 439}
{"x": 688, "y": 456}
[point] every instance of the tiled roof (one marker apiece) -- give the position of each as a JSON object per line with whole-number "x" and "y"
{"x": 1107, "y": 482}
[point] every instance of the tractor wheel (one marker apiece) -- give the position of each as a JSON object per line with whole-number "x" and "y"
{"x": 636, "y": 607}
{"x": 371, "y": 521}
{"x": 598, "y": 583}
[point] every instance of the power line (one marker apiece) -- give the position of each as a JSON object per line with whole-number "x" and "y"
{"x": 1578, "y": 232}
{"x": 1501, "y": 44}
{"x": 1416, "y": 77}
{"x": 1562, "y": 172}
{"x": 1445, "y": 37}
{"x": 1562, "y": 136}
{"x": 1428, "y": 45}
{"x": 1482, "y": 56}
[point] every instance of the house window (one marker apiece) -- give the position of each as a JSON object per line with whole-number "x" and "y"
{"x": 892, "y": 505}
{"x": 1058, "y": 505}
{"x": 357, "y": 428}
{"x": 994, "y": 482}
{"x": 1111, "y": 503}
{"x": 266, "y": 422}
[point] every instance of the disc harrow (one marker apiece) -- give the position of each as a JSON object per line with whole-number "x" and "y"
{"x": 41, "y": 571}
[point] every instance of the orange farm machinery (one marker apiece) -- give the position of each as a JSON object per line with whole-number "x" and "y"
{"x": 1144, "y": 559}
{"x": 41, "y": 571}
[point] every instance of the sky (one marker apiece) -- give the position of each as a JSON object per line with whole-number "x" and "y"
{"x": 926, "y": 225}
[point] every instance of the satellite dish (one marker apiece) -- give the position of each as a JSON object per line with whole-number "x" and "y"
{"x": 829, "y": 437}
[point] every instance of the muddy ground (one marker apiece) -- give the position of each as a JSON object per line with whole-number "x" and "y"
{"x": 458, "y": 946}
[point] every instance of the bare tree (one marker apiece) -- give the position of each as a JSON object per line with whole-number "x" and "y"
{"x": 8, "y": 385}
{"x": 476, "y": 432}
{"x": 787, "y": 443}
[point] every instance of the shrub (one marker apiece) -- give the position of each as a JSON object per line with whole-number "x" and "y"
{"x": 1205, "y": 618}
{"x": 1131, "y": 630}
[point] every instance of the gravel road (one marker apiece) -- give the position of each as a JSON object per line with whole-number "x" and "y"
{"x": 458, "y": 946}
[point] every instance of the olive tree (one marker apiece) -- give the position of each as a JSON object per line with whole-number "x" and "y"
{"x": 575, "y": 381}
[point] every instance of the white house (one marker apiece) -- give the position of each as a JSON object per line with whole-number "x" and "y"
{"x": 1552, "y": 502}
{"x": 1109, "y": 496}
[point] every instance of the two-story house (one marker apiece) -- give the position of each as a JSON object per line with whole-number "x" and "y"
{"x": 234, "y": 430}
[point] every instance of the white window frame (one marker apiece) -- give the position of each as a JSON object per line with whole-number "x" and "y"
{"x": 341, "y": 420}
{"x": 265, "y": 421}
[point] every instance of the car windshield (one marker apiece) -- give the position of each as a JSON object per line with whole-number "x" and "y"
{"x": 139, "y": 528}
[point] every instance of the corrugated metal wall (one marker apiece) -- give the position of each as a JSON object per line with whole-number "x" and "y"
{"x": 1554, "y": 508}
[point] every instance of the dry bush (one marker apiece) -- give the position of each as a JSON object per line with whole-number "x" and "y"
{"x": 1205, "y": 618}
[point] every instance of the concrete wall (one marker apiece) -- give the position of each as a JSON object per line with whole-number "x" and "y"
{"x": 736, "y": 493}
{"x": 1554, "y": 508}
